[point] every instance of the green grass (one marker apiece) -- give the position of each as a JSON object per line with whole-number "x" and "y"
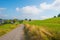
{"x": 51, "y": 24}
{"x": 6, "y": 28}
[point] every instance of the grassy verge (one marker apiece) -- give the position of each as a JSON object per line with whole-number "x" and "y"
{"x": 38, "y": 33}
{"x": 6, "y": 28}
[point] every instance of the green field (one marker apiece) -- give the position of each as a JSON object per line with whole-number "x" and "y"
{"x": 51, "y": 24}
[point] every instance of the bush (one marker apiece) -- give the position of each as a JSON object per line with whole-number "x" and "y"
{"x": 54, "y": 16}
{"x": 29, "y": 19}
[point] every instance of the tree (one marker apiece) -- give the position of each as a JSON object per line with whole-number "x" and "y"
{"x": 58, "y": 15}
{"x": 20, "y": 21}
{"x": 0, "y": 21}
{"x": 29, "y": 19}
{"x": 15, "y": 20}
{"x": 26, "y": 19}
{"x": 7, "y": 21}
{"x": 54, "y": 16}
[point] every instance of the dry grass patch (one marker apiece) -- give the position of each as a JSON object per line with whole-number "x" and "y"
{"x": 33, "y": 32}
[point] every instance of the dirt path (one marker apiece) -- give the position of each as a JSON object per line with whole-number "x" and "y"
{"x": 16, "y": 34}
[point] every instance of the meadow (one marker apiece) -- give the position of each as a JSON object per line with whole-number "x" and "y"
{"x": 48, "y": 29}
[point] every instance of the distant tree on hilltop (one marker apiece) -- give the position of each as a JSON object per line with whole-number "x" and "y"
{"x": 29, "y": 19}
{"x": 54, "y": 16}
{"x": 26, "y": 19}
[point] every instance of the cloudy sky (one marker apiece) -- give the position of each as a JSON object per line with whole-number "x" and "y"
{"x": 31, "y": 9}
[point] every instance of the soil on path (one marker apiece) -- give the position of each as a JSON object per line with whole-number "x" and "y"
{"x": 15, "y": 34}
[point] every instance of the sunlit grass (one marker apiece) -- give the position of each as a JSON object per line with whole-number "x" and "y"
{"x": 6, "y": 28}
{"x": 33, "y": 32}
{"x": 52, "y": 25}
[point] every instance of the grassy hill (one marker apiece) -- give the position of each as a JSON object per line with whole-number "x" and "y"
{"x": 52, "y": 23}
{"x": 48, "y": 29}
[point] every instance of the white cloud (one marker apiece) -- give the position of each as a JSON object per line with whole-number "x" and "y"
{"x": 3, "y": 15}
{"x": 29, "y": 10}
{"x": 45, "y": 6}
{"x": 2, "y": 9}
{"x": 44, "y": 17}
{"x": 17, "y": 9}
{"x": 55, "y": 6}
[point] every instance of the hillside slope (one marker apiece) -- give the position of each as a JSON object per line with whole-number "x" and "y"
{"x": 48, "y": 29}
{"x": 51, "y": 23}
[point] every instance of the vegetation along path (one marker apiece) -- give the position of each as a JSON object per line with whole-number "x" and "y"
{"x": 16, "y": 34}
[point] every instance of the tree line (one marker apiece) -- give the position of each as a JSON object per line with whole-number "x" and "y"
{"x": 57, "y": 16}
{"x": 6, "y": 21}
{"x": 10, "y": 21}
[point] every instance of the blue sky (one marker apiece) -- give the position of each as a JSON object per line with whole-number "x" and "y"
{"x": 31, "y": 9}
